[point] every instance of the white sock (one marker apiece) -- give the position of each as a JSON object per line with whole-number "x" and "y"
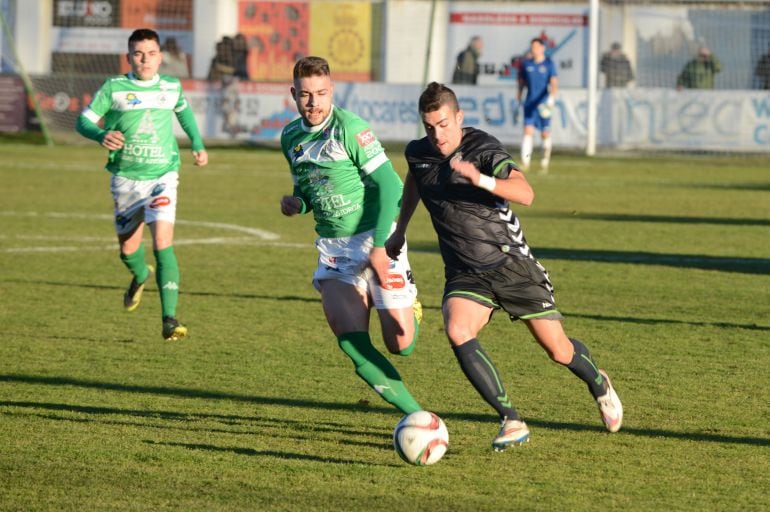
{"x": 547, "y": 145}
{"x": 526, "y": 150}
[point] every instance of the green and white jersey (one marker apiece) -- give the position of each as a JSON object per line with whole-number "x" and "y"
{"x": 330, "y": 164}
{"x": 143, "y": 111}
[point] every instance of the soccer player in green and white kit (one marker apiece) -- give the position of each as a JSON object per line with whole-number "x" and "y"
{"x": 138, "y": 110}
{"x": 342, "y": 174}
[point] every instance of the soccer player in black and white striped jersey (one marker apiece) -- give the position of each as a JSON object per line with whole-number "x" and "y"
{"x": 466, "y": 180}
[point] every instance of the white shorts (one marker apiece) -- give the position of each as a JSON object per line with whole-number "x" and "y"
{"x": 347, "y": 259}
{"x": 143, "y": 200}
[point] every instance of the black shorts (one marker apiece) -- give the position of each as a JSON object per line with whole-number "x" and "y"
{"x": 520, "y": 287}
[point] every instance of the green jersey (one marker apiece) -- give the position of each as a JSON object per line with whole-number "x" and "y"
{"x": 143, "y": 112}
{"x": 331, "y": 165}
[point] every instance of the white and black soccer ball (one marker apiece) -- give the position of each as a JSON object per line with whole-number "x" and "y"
{"x": 421, "y": 438}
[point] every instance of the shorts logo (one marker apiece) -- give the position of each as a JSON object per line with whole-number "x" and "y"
{"x": 365, "y": 138}
{"x": 395, "y": 281}
{"x": 121, "y": 221}
{"x": 160, "y": 187}
{"x": 160, "y": 202}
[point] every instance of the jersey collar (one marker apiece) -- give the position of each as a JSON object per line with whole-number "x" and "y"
{"x": 317, "y": 128}
{"x": 143, "y": 83}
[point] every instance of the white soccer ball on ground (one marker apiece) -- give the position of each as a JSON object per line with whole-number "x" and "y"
{"x": 421, "y": 438}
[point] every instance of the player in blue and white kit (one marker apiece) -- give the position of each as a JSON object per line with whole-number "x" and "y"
{"x": 538, "y": 77}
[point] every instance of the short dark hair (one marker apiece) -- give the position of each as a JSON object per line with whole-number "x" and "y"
{"x": 311, "y": 66}
{"x": 435, "y": 96}
{"x": 537, "y": 40}
{"x": 143, "y": 34}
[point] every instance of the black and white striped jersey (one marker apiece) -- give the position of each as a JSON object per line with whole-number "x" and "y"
{"x": 477, "y": 231}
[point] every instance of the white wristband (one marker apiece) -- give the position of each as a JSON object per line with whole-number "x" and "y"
{"x": 487, "y": 182}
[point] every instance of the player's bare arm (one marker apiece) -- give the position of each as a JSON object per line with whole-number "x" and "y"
{"x": 290, "y": 205}
{"x": 409, "y": 200}
{"x": 380, "y": 263}
{"x": 514, "y": 188}
{"x": 113, "y": 140}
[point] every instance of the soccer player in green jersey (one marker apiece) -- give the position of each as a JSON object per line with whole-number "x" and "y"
{"x": 137, "y": 110}
{"x": 342, "y": 174}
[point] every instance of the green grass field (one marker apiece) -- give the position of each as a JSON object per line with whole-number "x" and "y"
{"x": 661, "y": 265}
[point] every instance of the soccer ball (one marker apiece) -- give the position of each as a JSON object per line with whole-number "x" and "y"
{"x": 421, "y": 438}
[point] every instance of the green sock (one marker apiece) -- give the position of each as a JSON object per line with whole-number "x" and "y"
{"x": 167, "y": 277}
{"x": 136, "y": 264}
{"x": 377, "y": 371}
{"x": 408, "y": 350}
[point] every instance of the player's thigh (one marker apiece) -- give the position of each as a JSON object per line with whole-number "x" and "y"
{"x": 162, "y": 234}
{"x": 345, "y": 306}
{"x": 160, "y": 207}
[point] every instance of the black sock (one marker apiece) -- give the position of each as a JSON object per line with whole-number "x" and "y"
{"x": 478, "y": 368}
{"x": 584, "y": 366}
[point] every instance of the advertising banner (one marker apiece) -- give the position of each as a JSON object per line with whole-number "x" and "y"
{"x": 13, "y": 108}
{"x": 507, "y": 30}
{"x": 342, "y": 33}
{"x": 645, "y": 119}
{"x": 277, "y": 34}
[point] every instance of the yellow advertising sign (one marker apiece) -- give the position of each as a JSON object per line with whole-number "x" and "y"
{"x": 341, "y": 32}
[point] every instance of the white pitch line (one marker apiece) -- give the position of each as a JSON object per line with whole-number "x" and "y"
{"x": 256, "y": 236}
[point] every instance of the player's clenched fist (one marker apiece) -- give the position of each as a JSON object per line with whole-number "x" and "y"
{"x": 113, "y": 140}
{"x": 290, "y": 205}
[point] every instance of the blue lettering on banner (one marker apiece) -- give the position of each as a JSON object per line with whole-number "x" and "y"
{"x": 761, "y": 107}
{"x": 762, "y": 134}
{"x": 376, "y": 111}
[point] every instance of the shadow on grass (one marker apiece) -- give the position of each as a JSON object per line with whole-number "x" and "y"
{"x": 665, "y": 321}
{"x": 697, "y": 261}
{"x": 663, "y": 219}
{"x": 305, "y": 404}
{"x": 267, "y": 453}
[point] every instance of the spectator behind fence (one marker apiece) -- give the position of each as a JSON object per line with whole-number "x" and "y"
{"x": 699, "y": 72}
{"x": 616, "y": 67}
{"x": 467, "y": 66}
{"x": 174, "y": 60}
{"x": 241, "y": 56}
{"x": 222, "y": 66}
{"x": 762, "y": 72}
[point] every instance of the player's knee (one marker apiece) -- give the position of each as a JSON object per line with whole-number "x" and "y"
{"x": 458, "y": 332}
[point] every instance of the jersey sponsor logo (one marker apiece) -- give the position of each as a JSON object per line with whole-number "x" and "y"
{"x": 365, "y": 138}
{"x": 132, "y": 99}
{"x": 394, "y": 281}
{"x": 298, "y": 151}
{"x": 160, "y": 202}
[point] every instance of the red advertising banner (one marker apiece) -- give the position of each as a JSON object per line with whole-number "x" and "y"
{"x": 277, "y": 34}
{"x": 157, "y": 14}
